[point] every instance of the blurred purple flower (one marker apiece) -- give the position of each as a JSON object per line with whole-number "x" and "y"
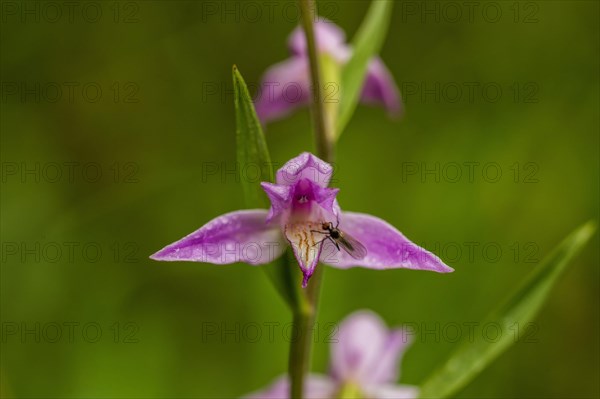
{"x": 286, "y": 86}
{"x": 365, "y": 363}
{"x": 300, "y": 203}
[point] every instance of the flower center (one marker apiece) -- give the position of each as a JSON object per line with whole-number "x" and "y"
{"x": 350, "y": 390}
{"x": 302, "y": 199}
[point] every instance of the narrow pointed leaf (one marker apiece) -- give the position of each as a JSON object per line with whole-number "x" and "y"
{"x": 252, "y": 152}
{"x": 283, "y": 273}
{"x": 253, "y": 155}
{"x": 512, "y": 317}
{"x": 366, "y": 44}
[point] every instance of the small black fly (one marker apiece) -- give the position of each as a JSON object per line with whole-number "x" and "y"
{"x": 340, "y": 239}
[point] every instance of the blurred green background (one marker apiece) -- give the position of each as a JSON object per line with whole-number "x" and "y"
{"x": 75, "y": 247}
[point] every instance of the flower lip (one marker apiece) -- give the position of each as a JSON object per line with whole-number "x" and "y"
{"x": 306, "y": 246}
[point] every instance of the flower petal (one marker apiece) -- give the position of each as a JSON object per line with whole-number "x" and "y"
{"x": 387, "y": 248}
{"x": 284, "y": 87}
{"x": 380, "y": 87}
{"x": 240, "y": 236}
{"x": 393, "y": 392}
{"x": 329, "y": 37}
{"x": 387, "y": 369}
{"x": 316, "y": 387}
{"x": 300, "y": 198}
{"x": 280, "y": 197}
{"x": 360, "y": 343}
{"x": 326, "y": 198}
{"x": 306, "y": 245}
{"x": 305, "y": 166}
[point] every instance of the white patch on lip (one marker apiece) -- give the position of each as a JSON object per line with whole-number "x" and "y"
{"x": 305, "y": 243}
{"x": 303, "y": 199}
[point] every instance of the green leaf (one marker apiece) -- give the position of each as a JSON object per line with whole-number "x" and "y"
{"x": 285, "y": 276}
{"x": 252, "y": 151}
{"x": 366, "y": 44}
{"x": 513, "y": 315}
{"x": 253, "y": 154}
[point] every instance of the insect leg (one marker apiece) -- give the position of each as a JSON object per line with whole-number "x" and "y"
{"x": 334, "y": 242}
{"x": 317, "y": 243}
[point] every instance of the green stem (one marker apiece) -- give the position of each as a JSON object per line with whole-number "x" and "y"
{"x": 323, "y": 130}
{"x": 301, "y": 344}
{"x": 299, "y": 354}
{"x": 306, "y": 309}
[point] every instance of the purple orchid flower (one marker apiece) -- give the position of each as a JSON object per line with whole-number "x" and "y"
{"x": 364, "y": 364}
{"x": 286, "y": 86}
{"x": 301, "y": 203}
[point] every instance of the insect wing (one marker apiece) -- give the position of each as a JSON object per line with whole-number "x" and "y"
{"x": 352, "y": 246}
